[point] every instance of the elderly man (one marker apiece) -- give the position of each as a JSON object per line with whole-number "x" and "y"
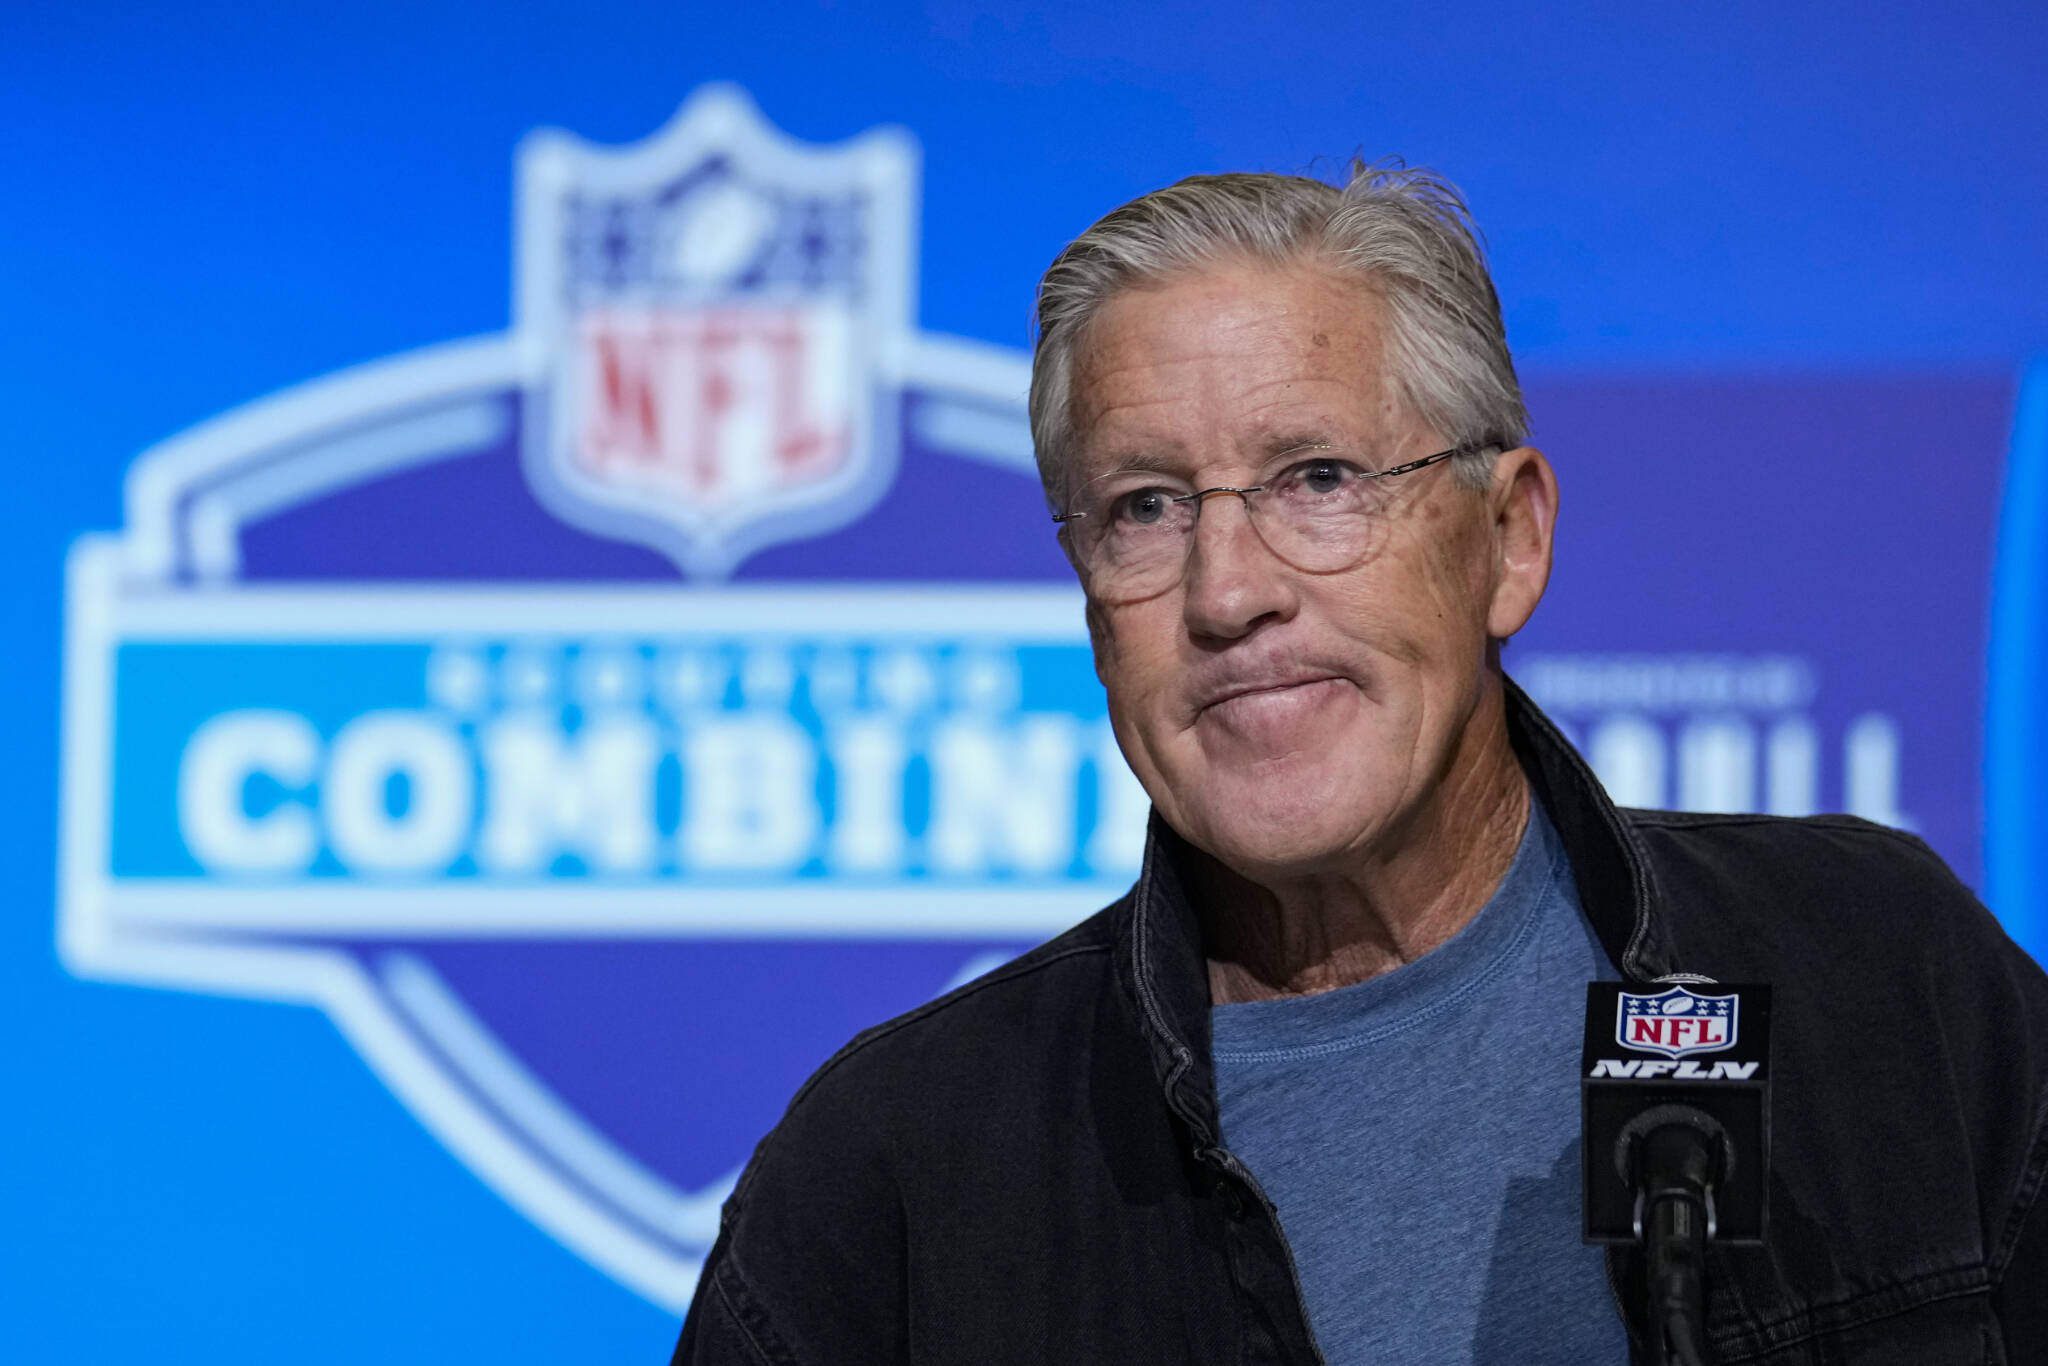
{"x": 1309, "y": 1091}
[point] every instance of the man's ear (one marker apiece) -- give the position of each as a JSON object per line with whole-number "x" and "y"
{"x": 1523, "y": 504}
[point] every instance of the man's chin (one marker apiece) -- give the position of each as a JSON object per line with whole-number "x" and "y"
{"x": 1273, "y": 828}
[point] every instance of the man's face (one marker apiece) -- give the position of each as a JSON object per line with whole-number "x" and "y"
{"x": 1283, "y": 720}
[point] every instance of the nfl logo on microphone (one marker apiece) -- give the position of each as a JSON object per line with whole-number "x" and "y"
{"x": 1676, "y": 1023}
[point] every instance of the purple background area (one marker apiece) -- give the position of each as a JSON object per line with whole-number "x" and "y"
{"x": 1847, "y": 520}
{"x": 1775, "y": 513}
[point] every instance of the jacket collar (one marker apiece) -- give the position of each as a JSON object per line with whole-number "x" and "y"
{"x": 1159, "y": 951}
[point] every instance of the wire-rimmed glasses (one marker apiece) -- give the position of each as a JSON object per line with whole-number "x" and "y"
{"x": 1131, "y": 532}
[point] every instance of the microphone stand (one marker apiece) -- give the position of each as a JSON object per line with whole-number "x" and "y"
{"x": 1674, "y": 1156}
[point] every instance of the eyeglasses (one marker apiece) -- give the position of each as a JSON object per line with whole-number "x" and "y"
{"x": 1132, "y": 539}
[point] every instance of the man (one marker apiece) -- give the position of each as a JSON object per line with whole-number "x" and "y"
{"x": 1308, "y": 1092}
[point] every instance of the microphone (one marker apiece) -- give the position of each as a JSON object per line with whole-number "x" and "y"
{"x": 1675, "y": 1102}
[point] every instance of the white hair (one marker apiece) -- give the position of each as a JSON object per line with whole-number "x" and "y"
{"x": 1403, "y": 231}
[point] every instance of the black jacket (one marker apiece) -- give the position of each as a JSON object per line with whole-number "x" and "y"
{"x": 1028, "y": 1169}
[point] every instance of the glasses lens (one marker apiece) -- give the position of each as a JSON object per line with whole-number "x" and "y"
{"x": 1132, "y": 540}
{"x": 1319, "y": 515}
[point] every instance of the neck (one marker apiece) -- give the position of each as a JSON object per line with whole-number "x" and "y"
{"x": 1408, "y": 890}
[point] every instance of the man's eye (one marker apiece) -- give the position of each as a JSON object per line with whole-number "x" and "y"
{"x": 1321, "y": 477}
{"x": 1141, "y": 507}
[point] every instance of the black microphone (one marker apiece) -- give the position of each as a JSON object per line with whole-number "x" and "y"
{"x": 1675, "y": 1096}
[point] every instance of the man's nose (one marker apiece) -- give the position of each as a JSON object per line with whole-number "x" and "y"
{"x": 1233, "y": 581}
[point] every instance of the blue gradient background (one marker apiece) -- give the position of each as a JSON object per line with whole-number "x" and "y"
{"x": 202, "y": 203}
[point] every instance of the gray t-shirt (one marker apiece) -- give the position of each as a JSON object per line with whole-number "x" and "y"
{"x": 1419, "y": 1134}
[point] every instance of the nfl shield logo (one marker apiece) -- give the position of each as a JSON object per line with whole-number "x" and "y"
{"x": 712, "y": 324}
{"x": 1676, "y": 1023}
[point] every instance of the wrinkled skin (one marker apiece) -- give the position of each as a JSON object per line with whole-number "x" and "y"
{"x": 1334, "y": 741}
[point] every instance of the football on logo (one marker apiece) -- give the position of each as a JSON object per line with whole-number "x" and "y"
{"x": 425, "y": 694}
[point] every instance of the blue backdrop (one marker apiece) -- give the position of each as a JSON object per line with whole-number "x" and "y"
{"x": 331, "y": 1041}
